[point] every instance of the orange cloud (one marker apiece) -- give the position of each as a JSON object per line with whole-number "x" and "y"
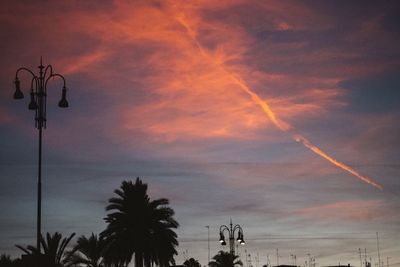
{"x": 194, "y": 98}
{"x": 144, "y": 49}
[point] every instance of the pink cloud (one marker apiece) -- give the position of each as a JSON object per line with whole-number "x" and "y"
{"x": 352, "y": 210}
{"x": 144, "y": 48}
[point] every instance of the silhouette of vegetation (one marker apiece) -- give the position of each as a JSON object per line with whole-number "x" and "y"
{"x": 88, "y": 252}
{"x": 53, "y": 254}
{"x": 191, "y": 263}
{"x": 225, "y": 259}
{"x": 139, "y": 227}
{"x": 5, "y": 260}
{"x": 136, "y": 227}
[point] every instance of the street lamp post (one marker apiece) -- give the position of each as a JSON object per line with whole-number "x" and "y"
{"x": 38, "y": 93}
{"x": 231, "y": 232}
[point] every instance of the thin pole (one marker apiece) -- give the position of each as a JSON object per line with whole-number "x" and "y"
{"x": 41, "y": 96}
{"x": 208, "y": 240}
{"x": 277, "y": 257}
{"x": 39, "y": 196}
{"x": 359, "y": 251}
{"x": 258, "y": 261}
{"x": 231, "y": 240}
{"x": 379, "y": 254}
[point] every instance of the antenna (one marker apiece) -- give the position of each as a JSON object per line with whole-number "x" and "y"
{"x": 379, "y": 254}
{"x": 208, "y": 241}
{"x": 277, "y": 257}
{"x": 257, "y": 260}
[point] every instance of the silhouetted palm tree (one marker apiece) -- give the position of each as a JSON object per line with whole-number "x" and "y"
{"x": 139, "y": 227}
{"x": 53, "y": 250}
{"x": 88, "y": 252}
{"x": 191, "y": 263}
{"x": 225, "y": 259}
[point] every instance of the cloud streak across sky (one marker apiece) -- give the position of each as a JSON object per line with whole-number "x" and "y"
{"x": 145, "y": 101}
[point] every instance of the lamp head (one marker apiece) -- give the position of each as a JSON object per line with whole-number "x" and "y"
{"x": 242, "y": 242}
{"x": 221, "y": 238}
{"x": 18, "y": 93}
{"x": 33, "y": 105}
{"x": 223, "y": 243}
{"x": 239, "y": 239}
{"x": 63, "y": 102}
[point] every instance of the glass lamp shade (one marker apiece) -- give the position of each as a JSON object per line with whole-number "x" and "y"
{"x": 33, "y": 105}
{"x": 63, "y": 102}
{"x": 221, "y": 238}
{"x": 18, "y": 93}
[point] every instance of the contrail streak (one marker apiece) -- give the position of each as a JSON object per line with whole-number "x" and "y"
{"x": 283, "y": 126}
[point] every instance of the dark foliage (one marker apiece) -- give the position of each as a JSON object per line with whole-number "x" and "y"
{"x": 191, "y": 263}
{"x": 139, "y": 227}
{"x": 53, "y": 254}
{"x": 88, "y": 252}
{"x": 225, "y": 259}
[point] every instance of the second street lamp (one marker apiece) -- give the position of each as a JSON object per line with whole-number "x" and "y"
{"x": 231, "y": 232}
{"x": 38, "y": 93}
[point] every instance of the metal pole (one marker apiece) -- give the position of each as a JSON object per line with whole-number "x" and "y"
{"x": 379, "y": 254}
{"x": 231, "y": 240}
{"x": 41, "y": 96}
{"x": 39, "y": 194}
{"x": 277, "y": 257}
{"x": 208, "y": 240}
{"x": 258, "y": 261}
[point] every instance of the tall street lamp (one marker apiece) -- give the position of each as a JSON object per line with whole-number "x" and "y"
{"x": 38, "y": 93}
{"x": 231, "y": 232}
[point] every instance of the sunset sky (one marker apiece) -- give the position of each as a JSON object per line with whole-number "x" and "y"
{"x": 282, "y": 115}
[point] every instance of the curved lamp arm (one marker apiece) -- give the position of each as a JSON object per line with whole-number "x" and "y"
{"x": 240, "y": 238}
{"x": 53, "y": 75}
{"x": 48, "y": 67}
{"x": 238, "y": 227}
{"x": 223, "y": 228}
{"x": 18, "y": 93}
{"x": 25, "y": 69}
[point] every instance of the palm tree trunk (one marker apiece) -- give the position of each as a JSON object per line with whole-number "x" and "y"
{"x": 138, "y": 259}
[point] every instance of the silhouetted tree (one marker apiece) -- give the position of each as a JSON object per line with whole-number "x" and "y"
{"x": 225, "y": 259}
{"x": 88, "y": 252}
{"x": 54, "y": 254}
{"x": 191, "y": 263}
{"x": 5, "y": 260}
{"x": 139, "y": 227}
